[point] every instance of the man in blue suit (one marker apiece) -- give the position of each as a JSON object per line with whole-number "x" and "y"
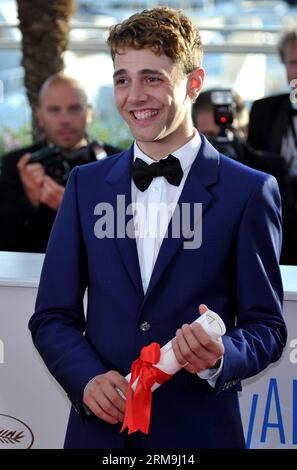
{"x": 146, "y": 283}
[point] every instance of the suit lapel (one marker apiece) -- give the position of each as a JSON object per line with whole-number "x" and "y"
{"x": 119, "y": 179}
{"x": 203, "y": 173}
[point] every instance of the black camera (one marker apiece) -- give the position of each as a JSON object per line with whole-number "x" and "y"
{"x": 224, "y": 109}
{"x": 58, "y": 163}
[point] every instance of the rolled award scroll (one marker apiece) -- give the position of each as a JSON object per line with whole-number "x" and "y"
{"x": 214, "y": 327}
{"x": 154, "y": 367}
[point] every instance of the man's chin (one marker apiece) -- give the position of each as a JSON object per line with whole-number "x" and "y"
{"x": 144, "y": 136}
{"x": 66, "y": 144}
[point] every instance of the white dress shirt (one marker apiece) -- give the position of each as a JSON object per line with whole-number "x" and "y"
{"x": 153, "y": 207}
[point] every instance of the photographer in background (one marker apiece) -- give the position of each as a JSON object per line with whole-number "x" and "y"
{"x": 30, "y": 194}
{"x": 221, "y": 115}
{"x": 273, "y": 128}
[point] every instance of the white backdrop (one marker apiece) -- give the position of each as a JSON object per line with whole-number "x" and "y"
{"x": 28, "y": 393}
{"x": 34, "y": 409}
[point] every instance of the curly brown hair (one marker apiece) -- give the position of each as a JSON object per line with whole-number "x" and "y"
{"x": 162, "y": 29}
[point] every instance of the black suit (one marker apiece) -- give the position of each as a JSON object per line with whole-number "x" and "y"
{"x": 269, "y": 123}
{"x": 24, "y": 227}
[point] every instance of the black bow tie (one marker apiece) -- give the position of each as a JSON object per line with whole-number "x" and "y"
{"x": 143, "y": 174}
{"x": 293, "y": 111}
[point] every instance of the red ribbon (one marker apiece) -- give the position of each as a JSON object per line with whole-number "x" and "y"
{"x": 139, "y": 403}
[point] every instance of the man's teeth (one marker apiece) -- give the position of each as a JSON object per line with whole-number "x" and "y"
{"x": 144, "y": 114}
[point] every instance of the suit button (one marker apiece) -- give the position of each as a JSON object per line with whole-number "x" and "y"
{"x": 144, "y": 326}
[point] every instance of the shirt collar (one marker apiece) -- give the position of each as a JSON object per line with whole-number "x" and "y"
{"x": 186, "y": 154}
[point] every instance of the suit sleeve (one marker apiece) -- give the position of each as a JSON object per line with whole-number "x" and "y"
{"x": 260, "y": 333}
{"x": 58, "y": 323}
{"x": 263, "y": 115}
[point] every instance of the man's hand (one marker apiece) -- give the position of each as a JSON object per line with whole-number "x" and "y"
{"x": 51, "y": 193}
{"x": 194, "y": 349}
{"x": 102, "y": 398}
{"x": 32, "y": 177}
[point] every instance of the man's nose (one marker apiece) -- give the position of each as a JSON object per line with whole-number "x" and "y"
{"x": 137, "y": 93}
{"x": 65, "y": 116}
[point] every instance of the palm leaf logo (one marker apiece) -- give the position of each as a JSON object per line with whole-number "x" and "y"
{"x": 10, "y": 437}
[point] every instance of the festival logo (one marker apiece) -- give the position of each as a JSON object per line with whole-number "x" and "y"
{"x": 14, "y": 433}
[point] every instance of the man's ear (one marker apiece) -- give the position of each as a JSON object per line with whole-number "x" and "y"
{"x": 195, "y": 83}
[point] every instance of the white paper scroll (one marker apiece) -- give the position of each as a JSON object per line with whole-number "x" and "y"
{"x": 214, "y": 327}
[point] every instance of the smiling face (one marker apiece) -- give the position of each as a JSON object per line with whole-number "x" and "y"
{"x": 154, "y": 95}
{"x": 63, "y": 114}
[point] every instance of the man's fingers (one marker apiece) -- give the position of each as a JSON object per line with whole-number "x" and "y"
{"x": 115, "y": 400}
{"x": 177, "y": 352}
{"x": 206, "y": 341}
{"x": 51, "y": 184}
{"x": 194, "y": 349}
{"x": 100, "y": 413}
{"x": 35, "y": 170}
{"x": 110, "y": 406}
{"x": 47, "y": 188}
{"x": 202, "y": 309}
{"x": 51, "y": 187}
{"x": 32, "y": 174}
{"x": 35, "y": 167}
{"x": 186, "y": 341}
{"x": 183, "y": 360}
{"x": 198, "y": 351}
{"x": 120, "y": 382}
{"x": 38, "y": 179}
{"x": 23, "y": 164}
{"x": 24, "y": 160}
{"x": 189, "y": 337}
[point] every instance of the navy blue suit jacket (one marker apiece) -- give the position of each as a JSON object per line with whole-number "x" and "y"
{"x": 235, "y": 273}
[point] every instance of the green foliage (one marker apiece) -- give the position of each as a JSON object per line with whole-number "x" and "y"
{"x": 114, "y": 132}
{"x": 11, "y": 139}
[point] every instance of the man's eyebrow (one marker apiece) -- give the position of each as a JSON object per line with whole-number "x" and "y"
{"x": 141, "y": 72}
{"x": 150, "y": 71}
